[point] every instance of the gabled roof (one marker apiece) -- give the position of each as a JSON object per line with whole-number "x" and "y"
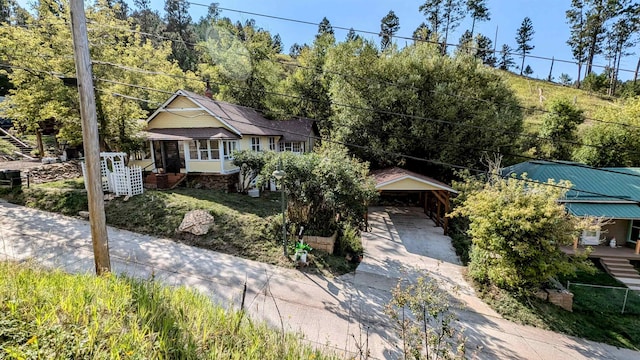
{"x": 247, "y": 121}
{"x": 400, "y": 179}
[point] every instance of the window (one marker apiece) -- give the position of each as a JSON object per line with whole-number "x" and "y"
{"x": 229, "y": 147}
{"x": 255, "y": 144}
{"x": 204, "y": 150}
{"x": 272, "y": 143}
{"x": 296, "y": 147}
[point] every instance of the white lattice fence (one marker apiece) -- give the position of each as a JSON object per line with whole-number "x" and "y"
{"x": 116, "y": 177}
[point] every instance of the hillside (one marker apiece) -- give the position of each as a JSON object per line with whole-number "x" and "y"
{"x": 528, "y": 92}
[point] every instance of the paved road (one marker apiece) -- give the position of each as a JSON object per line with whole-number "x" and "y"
{"x": 337, "y": 313}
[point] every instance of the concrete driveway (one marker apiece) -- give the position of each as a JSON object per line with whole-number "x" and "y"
{"x": 404, "y": 243}
{"x": 342, "y": 314}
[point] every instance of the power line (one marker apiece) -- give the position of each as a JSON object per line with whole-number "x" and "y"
{"x": 435, "y": 162}
{"x": 377, "y": 33}
{"x": 362, "y": 147}
{"x": 432, "y": 140}
{"x": 345, "y": 105}
{"x": 390, "y": 83}
{"x": 386, "y": 112}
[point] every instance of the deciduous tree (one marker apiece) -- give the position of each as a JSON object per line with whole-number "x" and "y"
{"x": 559, "y": 129}
{"x": 517, "y": 228}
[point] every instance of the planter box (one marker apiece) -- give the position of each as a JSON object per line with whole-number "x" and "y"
{"x": 321, "y": 243}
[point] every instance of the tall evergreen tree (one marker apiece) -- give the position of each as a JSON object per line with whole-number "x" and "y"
{"x": 479, "y": 12}
{"x": 324, "y": 27}
{"x": 432, "y": 10}
{"x": 148, "y": 21}
{"x": 422, "y": 33}
{"x": 389, "y": 26}
{"x": 352, "y": 36}
{"x": 454, "y": 12}
{"x": 523, "y": 39}
{"x": 180, "y": 30}
{"x": 622, "y": 35}
{"x": 506, "y": 60}
{"x": 588, "y": 20}
{"x": 577, "y": 41}
{"x": 485, "y": 51}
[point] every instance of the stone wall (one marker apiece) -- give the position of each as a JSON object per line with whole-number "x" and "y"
{"x": 227, "y": 182}
{"x": 321, "y": 243}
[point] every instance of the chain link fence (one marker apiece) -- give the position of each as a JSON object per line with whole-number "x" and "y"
{"x": 604, "y": 299}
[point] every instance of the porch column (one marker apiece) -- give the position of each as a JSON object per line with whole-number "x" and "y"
{"x": 221, "y": 155}
{"x": 187, "y": 155}
{"x": 153, "y": 154}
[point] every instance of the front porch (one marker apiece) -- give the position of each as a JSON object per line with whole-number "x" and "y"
{"x": 602, "y": 251}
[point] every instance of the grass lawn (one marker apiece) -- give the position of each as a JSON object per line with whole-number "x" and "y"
{"x": 54, "y": 315}
{"x": 247, "y": 227}
{"x": 596, "y": 313}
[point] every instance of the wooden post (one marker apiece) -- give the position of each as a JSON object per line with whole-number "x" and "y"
{"x": 637, "y": 247}
{"x": 447, "y": 209}
{"x": 90, "y": 138}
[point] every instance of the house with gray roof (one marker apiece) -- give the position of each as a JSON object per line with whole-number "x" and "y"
{"x": 196, "y": 135}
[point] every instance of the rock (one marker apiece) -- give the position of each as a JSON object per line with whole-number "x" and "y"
{"x": 55, "y": 172}
{"x": 197, "y": 222}
{"x": 84, "y": 214}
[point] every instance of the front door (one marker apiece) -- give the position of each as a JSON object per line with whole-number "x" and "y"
{"x": 171, "y": 156}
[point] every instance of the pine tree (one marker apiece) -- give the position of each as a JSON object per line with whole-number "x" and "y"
{"x": 389, "y": 26}
{"x": 180, "y": 30}
{"x": 506, "y": 60}
{"x": 422, "y": 33}
{"x": 479, "y": 12}
{"x": 324, "y": 27}
{"x": 352, "y": 36}
{"x": 432, "y": 10}
{"x": 484, "y": 50}
{"x": 523, "y": 39}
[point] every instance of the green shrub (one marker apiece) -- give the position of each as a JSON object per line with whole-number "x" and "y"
{"x": 349, "y": 241}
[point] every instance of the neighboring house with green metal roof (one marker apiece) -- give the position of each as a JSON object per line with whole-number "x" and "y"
{"x": 612, "y": 193}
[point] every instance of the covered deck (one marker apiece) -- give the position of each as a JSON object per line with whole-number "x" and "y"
{"x": 598, "y": 252}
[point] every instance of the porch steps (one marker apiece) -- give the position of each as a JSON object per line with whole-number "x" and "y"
{"x": 623, "y": 271}
{"x": 170, "y": 181}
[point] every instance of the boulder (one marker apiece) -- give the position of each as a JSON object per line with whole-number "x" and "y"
{"x": 197, "y": 222}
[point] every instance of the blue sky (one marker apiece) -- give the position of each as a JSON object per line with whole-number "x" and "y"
{"x": 548, "y": 17}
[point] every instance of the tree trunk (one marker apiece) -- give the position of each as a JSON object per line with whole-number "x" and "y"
{"x": 39, "y": 143}
{"x": 551, "y": 69}
{"x": 579, "y": 74}
{"x": 522, "y": 66}
{"x": 473, "y": 26}
{"x": 635, "y": 75}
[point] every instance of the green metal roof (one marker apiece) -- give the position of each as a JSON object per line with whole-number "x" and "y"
{"x": 596, "y": 192}
{"x": 614, "y": 211}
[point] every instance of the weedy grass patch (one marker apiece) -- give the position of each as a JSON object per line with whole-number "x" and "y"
{"x": 54, "y": 315}
{"x": 593, "y": 317}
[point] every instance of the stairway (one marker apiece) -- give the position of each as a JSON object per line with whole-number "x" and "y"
{"x": 23, "y": 148}
{"x": 623, "y": 271}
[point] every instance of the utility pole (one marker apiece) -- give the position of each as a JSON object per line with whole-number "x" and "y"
{"x": 90, "y": 138}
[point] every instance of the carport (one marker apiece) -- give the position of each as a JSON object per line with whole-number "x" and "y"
{"x": 434, "y": 196}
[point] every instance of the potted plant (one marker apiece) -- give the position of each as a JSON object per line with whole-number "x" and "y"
{"x": 302, "y": 250}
